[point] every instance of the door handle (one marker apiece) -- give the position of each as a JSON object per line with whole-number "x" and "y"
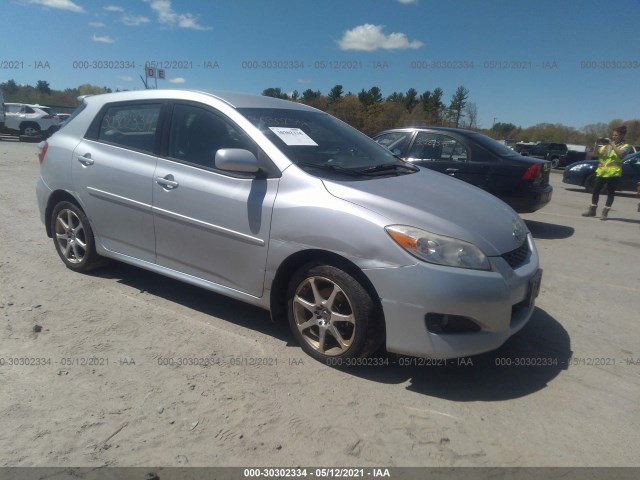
{"x": 85, "y": 159}
{"x": 167, "y": 182}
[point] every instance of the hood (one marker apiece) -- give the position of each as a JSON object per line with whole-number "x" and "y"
{"x": 439, "y": 204}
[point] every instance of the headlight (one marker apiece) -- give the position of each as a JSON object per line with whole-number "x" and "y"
{"x": 578, "y": 168}
{"x": 437, "y": 249}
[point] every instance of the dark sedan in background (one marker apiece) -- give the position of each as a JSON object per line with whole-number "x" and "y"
{"x": 521, "y": 182}
{"x": 583, "y": 173}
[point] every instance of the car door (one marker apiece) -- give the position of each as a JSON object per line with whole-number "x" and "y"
{"x": 209, "y": 223}
{"x": 112, "y": 169}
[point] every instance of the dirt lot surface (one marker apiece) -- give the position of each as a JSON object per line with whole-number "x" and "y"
{"x": 94, "y": 386}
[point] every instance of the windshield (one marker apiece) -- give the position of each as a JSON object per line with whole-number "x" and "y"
{"x": 323, "y": 145}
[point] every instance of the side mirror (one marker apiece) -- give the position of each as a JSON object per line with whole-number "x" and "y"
{"x": 236, "y": 160}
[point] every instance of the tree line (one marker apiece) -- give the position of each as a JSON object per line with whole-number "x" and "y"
{"x": 371, "y": 112}
{"x": 41, "y": 93}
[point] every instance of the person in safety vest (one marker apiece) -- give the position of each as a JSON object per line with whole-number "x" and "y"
{"x": 610, "y": 154}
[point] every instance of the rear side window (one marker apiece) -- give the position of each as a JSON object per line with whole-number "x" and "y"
{"x": 75, "y": 113}
{"x": 437, "y": 148}
{"x": 130, "y": 126}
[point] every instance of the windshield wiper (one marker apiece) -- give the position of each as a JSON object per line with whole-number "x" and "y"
{"x": 386, "y": 167}
{"x": 331, "y": 168}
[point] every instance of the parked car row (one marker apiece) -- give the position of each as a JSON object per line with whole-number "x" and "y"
{"x": 280, "y": 205}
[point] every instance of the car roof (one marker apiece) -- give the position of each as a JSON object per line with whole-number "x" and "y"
{"x": 233, "y": 99}
{"x": 33, "y": 105}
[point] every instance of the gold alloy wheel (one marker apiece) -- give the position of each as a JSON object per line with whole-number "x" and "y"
{"x": 324, "y": 316}
{"x": 70, "y": 236}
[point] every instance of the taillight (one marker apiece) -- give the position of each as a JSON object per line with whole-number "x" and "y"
{"x": 44, "y": 146}
{"x": 534, "y": 172}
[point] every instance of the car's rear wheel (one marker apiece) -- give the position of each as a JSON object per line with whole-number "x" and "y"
{"x": 555, "y": 162}
{"x": 331, "y": 314}
{"x": 30, "y": 130}
{"x": 73, "y": 238}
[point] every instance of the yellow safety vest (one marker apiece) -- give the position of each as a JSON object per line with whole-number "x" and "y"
{"x": 610, "y": 165}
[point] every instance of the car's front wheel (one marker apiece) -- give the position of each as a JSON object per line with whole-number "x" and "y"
{"x": 332, "y": 315}
{"x": 73, "y": 237}
{"x": 555, "y": 162}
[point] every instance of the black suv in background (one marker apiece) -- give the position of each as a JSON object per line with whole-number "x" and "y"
{"x": 559, "y": 154}
{"x": 556, "y": 153}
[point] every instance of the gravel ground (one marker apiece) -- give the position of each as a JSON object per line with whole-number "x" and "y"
{"x": 85, "y": 379}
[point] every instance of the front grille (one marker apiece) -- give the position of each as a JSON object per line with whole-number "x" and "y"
{"x": 519, "y": 256}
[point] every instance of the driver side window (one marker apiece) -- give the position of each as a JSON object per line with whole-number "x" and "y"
{"x": 196, "y": 134}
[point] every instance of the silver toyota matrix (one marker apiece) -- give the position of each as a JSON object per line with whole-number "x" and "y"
{"x": 285, "y": 207}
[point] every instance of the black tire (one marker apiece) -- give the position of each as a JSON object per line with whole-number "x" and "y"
{"x": 73, "y": 238}
{"x": 331, "y": 315}
{"x": 30, "y": 131}
{"x": 555, "y": 162}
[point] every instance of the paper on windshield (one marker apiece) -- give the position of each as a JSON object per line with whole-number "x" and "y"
{"x": 293, "y": 136}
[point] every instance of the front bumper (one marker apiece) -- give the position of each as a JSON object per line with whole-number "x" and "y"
{"x": 498, "y": 301}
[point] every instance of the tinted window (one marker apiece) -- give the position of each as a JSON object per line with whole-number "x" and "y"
{"x": 75, "y": 113}
{"x": 29, "y": 110}
{"x": 197, "y": 134}
{"x": 437, "y": 147}
{"x": 130, "y": 126}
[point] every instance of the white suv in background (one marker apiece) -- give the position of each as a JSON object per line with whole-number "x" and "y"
{"x": 30, "y": 120}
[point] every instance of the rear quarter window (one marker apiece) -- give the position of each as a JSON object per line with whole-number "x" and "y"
{"x": 75, "y": 113}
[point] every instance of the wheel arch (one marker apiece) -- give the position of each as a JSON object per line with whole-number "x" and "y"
{"x": 278, "y": 298}
{"x": 55, "y": 198}
{"x": 27, "y": 123}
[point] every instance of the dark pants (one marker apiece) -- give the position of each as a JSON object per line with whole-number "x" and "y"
{"x": 611, "y": 184}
